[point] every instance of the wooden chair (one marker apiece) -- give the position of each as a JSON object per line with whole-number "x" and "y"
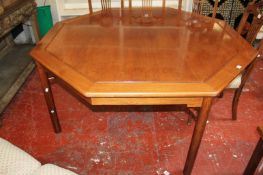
{"x": 142, "y": 11}
{"x": 249, "y": 31}
{"x": 199, "y": 4}
{"x": 105, "y": 6}
{"x": 148, "y": 4}
{"x": 256, "y": 156}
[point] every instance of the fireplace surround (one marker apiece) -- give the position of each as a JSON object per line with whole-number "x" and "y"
{"x": 15, "y": 64}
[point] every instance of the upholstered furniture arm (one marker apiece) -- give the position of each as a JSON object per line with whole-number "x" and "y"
{"x": 50, "y": 169}
{"x": 14, "y": 161}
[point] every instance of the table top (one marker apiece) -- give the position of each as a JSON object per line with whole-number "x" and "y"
{"x": 124, "y": 54}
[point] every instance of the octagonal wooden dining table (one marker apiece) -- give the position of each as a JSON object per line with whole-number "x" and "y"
{"x": 129, "y": 57}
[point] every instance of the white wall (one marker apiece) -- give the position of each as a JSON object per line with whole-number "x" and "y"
{"x": 63, "y": 9}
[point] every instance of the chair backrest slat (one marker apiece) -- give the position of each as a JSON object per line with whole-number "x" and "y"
{"x": 180, "y": 4}
{"x": 254, "y": 30}
{"x": 215, "y": 8}
{"x": 90, "y": 7}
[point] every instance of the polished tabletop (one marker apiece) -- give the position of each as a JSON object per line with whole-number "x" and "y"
{"x": 125, "y": 53}
{"x": 143, "y": 57}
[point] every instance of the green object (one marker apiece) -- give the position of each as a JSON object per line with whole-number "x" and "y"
{"x": 44, "y": 18}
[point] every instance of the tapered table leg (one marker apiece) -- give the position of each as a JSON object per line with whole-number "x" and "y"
{"x": 49, "y": 97}
{"x": 197, "y": 135}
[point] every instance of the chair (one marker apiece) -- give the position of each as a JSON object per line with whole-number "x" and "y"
{"x": 256, "y": 156}
{"x": 142, "y": 11}
{"x": 148, "y": 4}
{"x": 249, "y": 31}
{"x": 199, "y": 4}
{"x": 105, "y": 6}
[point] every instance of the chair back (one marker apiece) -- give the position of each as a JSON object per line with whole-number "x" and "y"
{"x": 106, "y": 5}
{"x": 149, "y": 4}
{"x": 146, "y": 7}
{"x": 250, "y": 30}
{"x": 199, "y": 4}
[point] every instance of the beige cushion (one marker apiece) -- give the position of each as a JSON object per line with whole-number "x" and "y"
{"x": 50, "y": 169}
{"x": 235, "y": 83}
{"x": 14, "y": 161}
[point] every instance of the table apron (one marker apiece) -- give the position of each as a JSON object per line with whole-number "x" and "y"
{"x": 190, "y": 102}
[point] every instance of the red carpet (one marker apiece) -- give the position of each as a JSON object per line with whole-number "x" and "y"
{"x": 134, "y": 140}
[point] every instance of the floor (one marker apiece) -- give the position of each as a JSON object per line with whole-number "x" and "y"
{"x": 134, "y": 140}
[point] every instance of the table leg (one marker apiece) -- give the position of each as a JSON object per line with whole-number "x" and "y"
{"x": 49, "y": 97}
{"x": 197, "y": 135}
{"x": 255, "y": 159}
